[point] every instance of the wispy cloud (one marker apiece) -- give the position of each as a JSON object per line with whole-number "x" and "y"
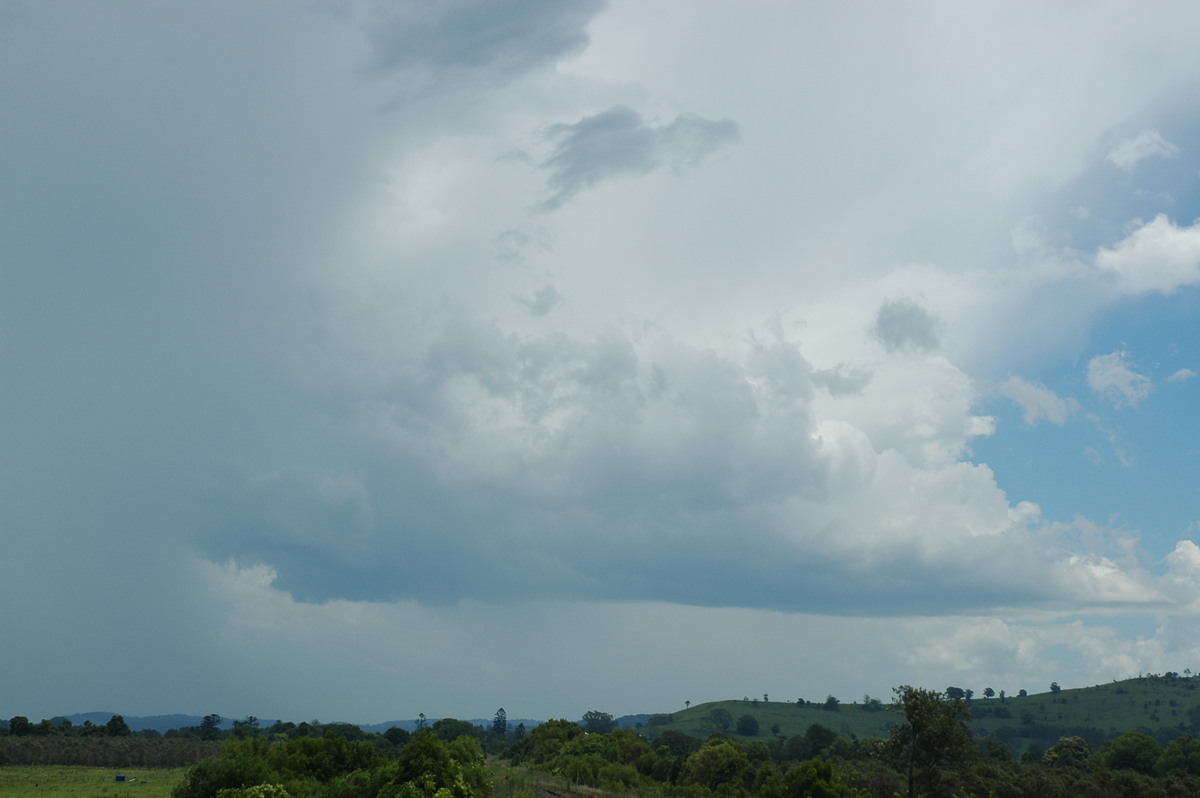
{"x": 1147, "y": 144}
{"x": 1112, "y": 376}
{"x": 1183, "y": 375}
{"x": 1037, "y": 402}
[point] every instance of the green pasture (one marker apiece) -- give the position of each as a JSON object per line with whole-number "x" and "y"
{"x": 77, "y": 781}
{"x": 1148, "y": 704}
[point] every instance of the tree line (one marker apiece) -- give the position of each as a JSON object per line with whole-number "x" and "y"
{"x": 929, "y": 750}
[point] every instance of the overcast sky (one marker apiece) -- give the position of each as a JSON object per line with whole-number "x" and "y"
{"x": 362, "y": 359}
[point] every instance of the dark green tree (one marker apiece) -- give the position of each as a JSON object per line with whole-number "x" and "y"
{"x": 452, "y": 728}
{"x": 1182, "y": 753}
{"x": 1133, "y": 751}
{"x": 677, "y": 743}
{"x": 1054, "y": 687}
{"x": 721, "y": 718}
{"x": 934, "y": 734}
{"x": 596, "y": 722}
{"x": 500, "y": 723}
{"x": 396, "y": 736}
{"x": 240, "y": 765}
{"x": 429, "y": 767}
{"x": 210, "y": 727}
{"x": 747, "y": 726}
{"x": 19, "y": 726}
{"x": 543, "y": 742}
{"x": 819, "y": 737}
{"x": 720, "y": 765}
{"x": 246, "y": 727}
{"x": 831, "y": 704}
{"x": 1068, "y": 752}
{"x": 117, "y": 727}
{"x": 815, "y": 779}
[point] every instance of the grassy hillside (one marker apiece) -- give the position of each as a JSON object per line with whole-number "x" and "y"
{"x": 1165, "y": 706}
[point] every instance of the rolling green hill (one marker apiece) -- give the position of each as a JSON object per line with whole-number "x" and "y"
{"x": 1165, "y": 706}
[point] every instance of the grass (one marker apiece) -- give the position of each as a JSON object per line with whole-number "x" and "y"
{"x": 77, "y": 781}
{"x": 1146, "y": 703}
{"x": 791, "y": 719}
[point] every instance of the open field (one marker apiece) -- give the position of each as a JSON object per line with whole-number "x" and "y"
{"x": 75, "y": 781}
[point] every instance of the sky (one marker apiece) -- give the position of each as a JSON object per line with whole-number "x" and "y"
{"x": 366, "y": 359}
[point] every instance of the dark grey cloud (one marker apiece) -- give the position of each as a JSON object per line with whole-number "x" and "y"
{"x": 903, "y": 324}
{"x": 500, "y": 39}
{"x": 618, "y": 142}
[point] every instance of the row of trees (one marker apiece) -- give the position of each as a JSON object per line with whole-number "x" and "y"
{"x": 21, "y": 726}
{"x": 103, "y": 751}
{"x": 968, "y": 694}
{"x": 929, "y": 751}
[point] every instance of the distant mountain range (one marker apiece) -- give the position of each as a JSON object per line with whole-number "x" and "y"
{"x": 164, "y": 723}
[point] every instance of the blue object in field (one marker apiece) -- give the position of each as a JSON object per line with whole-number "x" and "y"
{"x": 120, "y": 777}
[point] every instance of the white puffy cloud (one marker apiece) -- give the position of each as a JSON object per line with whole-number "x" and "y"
{"x": 1037, "y": 402}
{"x": 1147, "y": 144}
{"x": 1157, "y": 256}
{"x": 1113, "y": 377}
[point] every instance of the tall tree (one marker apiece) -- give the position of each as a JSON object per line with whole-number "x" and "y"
{"x": 500, "y": 723}
{"x": 210, "y": 727}
{"x": 933, "y": 735}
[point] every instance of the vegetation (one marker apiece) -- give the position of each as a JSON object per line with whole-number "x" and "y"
{"x": 1095, "y": 741}
{"x": 73, "y": 781}
{"x": 1163, "y": 706}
